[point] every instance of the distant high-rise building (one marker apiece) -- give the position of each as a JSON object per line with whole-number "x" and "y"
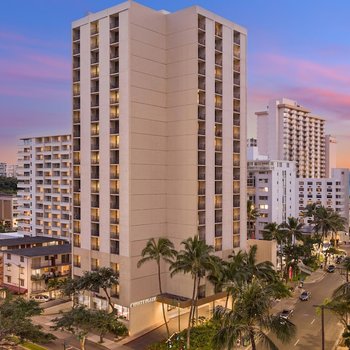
{"x": 331, "y": 154}
{"x": 159, "y": 145}
{"x": 3, "y": 167}
{"x": 288, "y": 131}
{"x": 44, "y": 186}
{"x": 11, "y": 170}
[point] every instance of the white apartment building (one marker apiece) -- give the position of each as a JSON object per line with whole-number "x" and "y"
{"x": 330, "y": 192}
{"x": 288, "y": 131}
{"x": 331, "y": 154}
{"x": 3, "y": 167}
{"x": 44, "y": 185}
{"x": 11, "y": 170}
{"x": 159, "y": 139}
{"x": 271, "y": 187}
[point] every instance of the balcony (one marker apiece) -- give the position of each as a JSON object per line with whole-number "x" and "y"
{"x": 114, "y": 157}
{"x": 218, "y": 45}
{"x": 201, "y": 203}
{"x": 114, "y": 247}
{"x": 114, "y": 38}
{"x": 201, "y": 22}
{"x": 114, "y": 22}
{"x": 94, "y": 43}
{"x": 201, "y": 173}
{"x": 237, "y": 38}
{"x": 201, "y": 158}
{"x": 76, "y": 34}
{"x": 201, "y": 188}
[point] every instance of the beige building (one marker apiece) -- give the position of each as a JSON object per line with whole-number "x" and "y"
{"x": 159, "y": 140}
{"x": 28, "y": 270}
{"x": 44, "y": 184}
{"x": 8, "y": 211}
{"x": 288, "y": 131}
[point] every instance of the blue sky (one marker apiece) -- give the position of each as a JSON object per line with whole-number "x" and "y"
{"x": 298, "y": 49}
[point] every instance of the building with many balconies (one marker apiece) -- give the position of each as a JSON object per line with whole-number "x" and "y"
{"x": 288, "y": 131}
{"x": 44, "y": 186}
{"x": 159, "y": 139}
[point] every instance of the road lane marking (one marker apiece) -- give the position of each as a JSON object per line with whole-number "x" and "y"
{"x": 313, "y": 321}
{"x": 295, "y": 344}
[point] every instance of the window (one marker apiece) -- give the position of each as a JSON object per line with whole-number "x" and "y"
{"x": 263, "y": 206}
{"x": 22, "y": 258}
{"x": 263, "y": 198}
{"x": 8, "y": 279}
{"x": 8, "y": 256}
{"x": 21, "y": 282}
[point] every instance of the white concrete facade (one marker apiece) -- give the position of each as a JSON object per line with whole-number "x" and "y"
{"x": 159, "y": 138}
{"x": 330, "y": 192}
{"x": 271, "y": 186}
{"x": 44, "y": 186}
{"x": 288, "y": 131}
{"x": 331, "y": 154}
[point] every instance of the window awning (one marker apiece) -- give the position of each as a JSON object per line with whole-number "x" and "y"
{"x": 14, "y": 289}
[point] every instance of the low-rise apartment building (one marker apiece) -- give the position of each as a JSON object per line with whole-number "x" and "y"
{"x": 27, "y": 263}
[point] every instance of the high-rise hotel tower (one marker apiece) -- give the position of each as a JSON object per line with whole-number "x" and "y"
{"x": 159, "y": 145}
{"x": 288, "y": 131}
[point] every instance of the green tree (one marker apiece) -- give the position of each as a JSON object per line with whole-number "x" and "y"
{"x": 250, "y": 318}
{"x": 15, "y": 320}
{"x": 103, "y": 278}
{"x": 78, "y": 321}
{"x": 346, "y": 265}
{"x": 196, "y": 259}
{"x": 156, "y": 251}
{"x": 346, "y": 336}
{"x": 252, "y": 215}
{"x": 104, "y": 322}
{"x": 293, "y": 228}
{"x": 8, "y": 185}
{"x": 275, "y": 231}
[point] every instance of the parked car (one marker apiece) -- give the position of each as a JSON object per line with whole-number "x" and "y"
{"x": 41, "y": 298}
{"x": 331, "y": 268}
{"x": 305, "y": 295}
{"x": 339, "y": 260}
{"x": 286, "y": 314}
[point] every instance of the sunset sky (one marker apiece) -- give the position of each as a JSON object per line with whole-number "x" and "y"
{"x": 296, "y": 49}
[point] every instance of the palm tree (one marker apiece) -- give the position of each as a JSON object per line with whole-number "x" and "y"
{"x": 252, "y": 215}
{"x": 274, "y": 231}
{"x": 346, "y": 264}
{"x": 196, "y": 259}
{"x": 250, "y": 318}
{"x": 293, "y": 228}
{"x": 162, "y": 249}
{"x": 242, "y": 267}
{"x": 323, "y": 222}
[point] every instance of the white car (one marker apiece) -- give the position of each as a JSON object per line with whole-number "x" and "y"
{"x": 41, "y": 298}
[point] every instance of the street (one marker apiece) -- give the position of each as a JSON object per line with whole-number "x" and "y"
{"x": 308, "y": 320}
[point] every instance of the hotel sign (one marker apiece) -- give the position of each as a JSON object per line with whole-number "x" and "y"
{"x": 143, "y": 302}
